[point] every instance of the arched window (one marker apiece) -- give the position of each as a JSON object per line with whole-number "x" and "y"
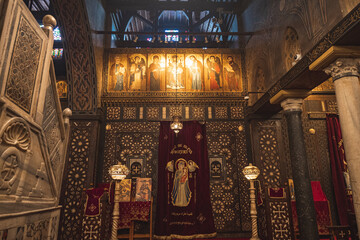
{"x": 291, "y": 48}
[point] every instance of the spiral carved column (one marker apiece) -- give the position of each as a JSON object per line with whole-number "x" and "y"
{"x": 114, "y": 230}
{"x": 253, "y": 212}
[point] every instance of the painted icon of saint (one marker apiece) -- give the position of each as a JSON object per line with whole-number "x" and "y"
{"x": 117, "y": 73}
{"x": 175, "y": 73}
{"x": 155, "y": 74}
{"x": 232, "y": 74}
{"x": 214, "y": 69}
{"x": 181, "y": 193}
{"x": 195, "y": 67}
{"x": 137, "y": 73}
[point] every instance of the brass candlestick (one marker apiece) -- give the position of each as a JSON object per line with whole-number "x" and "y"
{"x": 118, "y": 173}
{"x": 251, "y": 173}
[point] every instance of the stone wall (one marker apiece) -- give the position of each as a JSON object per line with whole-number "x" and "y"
{"x": 296, "y": 26}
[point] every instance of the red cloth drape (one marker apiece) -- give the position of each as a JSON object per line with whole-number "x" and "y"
{"x": 337, "y": 159}
{"x": 129, "y": 211}
{"x": 92, "y": 206}
{"x": 323, "y": 216}
{"x": 183, "y": 199}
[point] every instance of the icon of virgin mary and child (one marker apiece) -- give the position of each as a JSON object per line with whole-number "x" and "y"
{"x": 181, "y": 193}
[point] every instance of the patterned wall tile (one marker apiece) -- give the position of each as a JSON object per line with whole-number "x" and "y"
{"x": 221, "y": 112}
{"x": 175, "y": 111}
{"x": 198, "y": 112}
{"x": 152, "y": 113}
{"x": 113, "y": 113}
{"x": 237, "y": 112}
{"x": 129, "y": 113}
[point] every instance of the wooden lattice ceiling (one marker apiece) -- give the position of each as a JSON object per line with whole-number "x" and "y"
{"x": 147, "y": 19}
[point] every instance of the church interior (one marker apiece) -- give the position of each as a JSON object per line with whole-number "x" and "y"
{"x": 179, "y": 119}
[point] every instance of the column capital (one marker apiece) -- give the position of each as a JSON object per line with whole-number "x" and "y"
{"x": 342, "y": 67}
{"x": 332, "y": 54}
{"x": 292, "y": 104}
{"x": 290, "y": 99}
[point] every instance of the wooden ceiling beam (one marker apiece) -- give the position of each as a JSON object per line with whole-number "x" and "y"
{"x": 181, "y": 33}
{"x": 169, "y": 5}
{"x": 202, "y": 20}
{"x": 144, "y": 20}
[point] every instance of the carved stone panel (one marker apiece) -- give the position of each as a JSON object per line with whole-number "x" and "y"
{"x": 24, "y": 65}
{"x": 37, "y": 230}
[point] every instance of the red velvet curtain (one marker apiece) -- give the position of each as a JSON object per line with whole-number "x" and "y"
{"x": 183, "y": 200}
{"x": 338, "y": 166}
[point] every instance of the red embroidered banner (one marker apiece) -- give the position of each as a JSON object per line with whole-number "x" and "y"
{"x": 92, "y": 206}
{"x": 183, "y": 205}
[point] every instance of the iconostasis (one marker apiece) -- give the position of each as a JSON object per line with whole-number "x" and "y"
{"x": 172, "y": 70}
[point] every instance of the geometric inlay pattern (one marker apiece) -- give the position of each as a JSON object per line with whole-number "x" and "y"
{"x": 221, "y": 113}
{"x": 175, "y": 111}
{"x": 113, "y": 113}
{"x": 152, "y": 113}
{"x": 91, "y": 227}
{"x": 198, "y": 112}
{"x": 269, "y": 154}
{"x": 280, "y": 221}
{"x": 237, "y": 112}
{"x": 81, "y": 149}
{"x": 229, "y": 195}
{"x": 129, "y": 113}
{"x": 23, "y": 66}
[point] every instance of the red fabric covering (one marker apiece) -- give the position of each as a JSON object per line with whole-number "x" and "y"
{"x": 276, "y": 192}
{"x": 338, "y": 161}
{"x": 323, "y": 216}
{"x": 92, "y": 206}
{"x": 129, "y": 211}
{"x": 184, "y": 209}
{"x": 109, "y": 188}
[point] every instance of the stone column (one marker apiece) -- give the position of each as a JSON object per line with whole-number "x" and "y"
{"x": 303, "y": 192}
{"x": 345, "y": 73}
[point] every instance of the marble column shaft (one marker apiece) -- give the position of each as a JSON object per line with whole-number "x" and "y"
{"x": 300, "y": 172}
{"x": 345, "y": 73}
